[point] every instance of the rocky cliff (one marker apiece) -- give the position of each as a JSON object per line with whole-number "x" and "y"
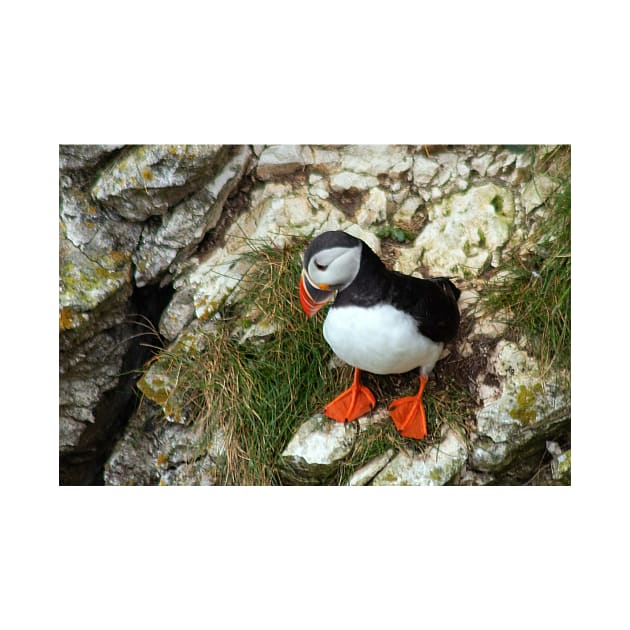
{"x": 153, "y": 245}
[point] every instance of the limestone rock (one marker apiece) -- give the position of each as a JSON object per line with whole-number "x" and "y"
{"x": 155, "y": 452}
{"x": 347, "y": 180}
{"x": 178, "y": 313}
{"x": 283, "y": 159}
{"x": 465, "y": 229}
{"x": 94, "y": 291}
{"x": 318, "y": 447}
{"x": 561, "y": 463}
{"x": 502, "y": 163}
{"x": 424, "y": 169}
{"x": 78, "y": 162}
{"x": 408, "y": 208}
{"x": 374, "y": 209}
{"x": 536, "y": 191}
{"x": 183, "y": 227}
{"x": 519, "y": 412}
{"x": 158, "y": 382}
{"x": 366, "y": 473}
{"x": 376, "y": 159}
{"x": 435, "y": 467}
{"x": 480, "y": 163}
{"x": 83, "y": 156}
{"x": 147, "y": 180}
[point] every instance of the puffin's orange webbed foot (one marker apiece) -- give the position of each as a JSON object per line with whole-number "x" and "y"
{"x": 353, "y": 403}
{"x": 408, "y": 414}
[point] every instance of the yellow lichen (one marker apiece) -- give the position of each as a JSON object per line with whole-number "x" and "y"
{"x": 525, "y": 409}
{"x": 66, "y": 318}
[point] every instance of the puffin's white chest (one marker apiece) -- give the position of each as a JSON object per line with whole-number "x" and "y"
{"x": 379, "y": 339}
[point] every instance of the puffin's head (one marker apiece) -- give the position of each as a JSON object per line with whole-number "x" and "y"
{"x": 331, "y": 263}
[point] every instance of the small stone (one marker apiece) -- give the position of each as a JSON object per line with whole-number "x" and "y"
{"x": 537, "y": 191}
{"x": 366, "y": 473}
{"x": 435, "y": 467}
{"x": 317, "y": 448}
{"x": 424, "y": 169}
{"x": 374, "y": 209}
{"x": 463, "y": 170}
{"x": 407, "y": 209}
{"x": 376, "y": 159}
{"x": 481, "y": 163}
{"x": 347, "y": 179}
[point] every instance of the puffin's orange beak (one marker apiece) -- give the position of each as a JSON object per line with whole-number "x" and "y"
{"x": 312, "y": 298}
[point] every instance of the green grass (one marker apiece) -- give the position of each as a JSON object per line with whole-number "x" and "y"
{"x": 534, "y": 297}
{"x": 259, "y": 391}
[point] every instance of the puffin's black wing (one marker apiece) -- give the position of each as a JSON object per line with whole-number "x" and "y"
{"x": 432, "y": 303}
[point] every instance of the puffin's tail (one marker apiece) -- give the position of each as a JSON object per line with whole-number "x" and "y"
{"x": 447, "y": 286}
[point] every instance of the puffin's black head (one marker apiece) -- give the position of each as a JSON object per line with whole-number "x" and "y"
{"x": 331, "y": 262}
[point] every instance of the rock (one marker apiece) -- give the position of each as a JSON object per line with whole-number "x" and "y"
{"x": 94, "y": 256}
{"x": 317, "y": 186}
{"x": 536, "y": 191}
{"x": 501, "y": 164}
{"x": 347, "y": 180}
{"x": 147, "y": 180}
{"x": 74, "y": 157}
{"x": 376, "y": 159}
{"x": 178, "y": 314}
{"x": 408, "y": 208}
{"x": 284, "y": 159}
{"x": 158, "y": 382}
{"x": 448, "y": 163}
{"x": 366, "y": 473}
{"x": 119, "y": 231}
{"x": 78, "y": 162}
{"x": 465, "y": 229}
{"x": 154, "y": 452}
{"x": 94, "y": 334}
{"x": 435, "y": 467}
{"x": 519, "y": 411}
{"x": 317, "y": 449}
{"x": 481, "y": 163}
{"x": 424, "y": 169}
{"x": 183, "y": 227}
{"x": 374, "y": 209}
{"x": 561, "y": 467}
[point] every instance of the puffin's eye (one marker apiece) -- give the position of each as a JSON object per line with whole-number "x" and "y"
{"x": 321, "y": 267}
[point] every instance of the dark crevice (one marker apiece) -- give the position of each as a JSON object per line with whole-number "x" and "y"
{"x": 84, "y": 465}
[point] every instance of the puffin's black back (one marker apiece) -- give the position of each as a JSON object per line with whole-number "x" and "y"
{"x": 431, "y": 302}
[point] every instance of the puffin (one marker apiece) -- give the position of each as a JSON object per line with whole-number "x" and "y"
{"x": 379, "y": 321}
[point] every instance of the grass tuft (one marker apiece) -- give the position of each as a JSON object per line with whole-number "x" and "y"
{"x": 535, "y": 293}
{"x": 258, "y": 390}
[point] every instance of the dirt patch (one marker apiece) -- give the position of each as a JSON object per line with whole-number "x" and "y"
{"x": 348, "y": 201}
